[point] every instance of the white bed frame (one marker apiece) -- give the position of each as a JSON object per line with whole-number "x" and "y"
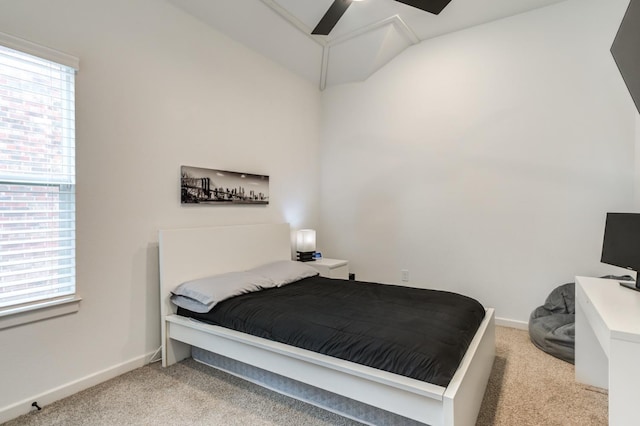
{"x": 194, "y": 253}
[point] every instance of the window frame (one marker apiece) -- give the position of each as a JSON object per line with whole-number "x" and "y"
{"x": 18, "y": 314}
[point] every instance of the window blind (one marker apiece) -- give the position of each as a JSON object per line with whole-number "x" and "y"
{"x": 37, "y": 178}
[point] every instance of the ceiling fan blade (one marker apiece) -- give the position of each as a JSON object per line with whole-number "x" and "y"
{"x": 431, "y": 6}
{"x": 331, "y": 18}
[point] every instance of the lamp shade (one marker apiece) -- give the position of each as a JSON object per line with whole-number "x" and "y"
{"x": 306, "y": 240}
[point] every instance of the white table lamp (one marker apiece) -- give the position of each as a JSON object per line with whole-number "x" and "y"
{"x": 306, "y": 244}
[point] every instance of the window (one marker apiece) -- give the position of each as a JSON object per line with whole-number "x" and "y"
{"x": 37, "y": 178}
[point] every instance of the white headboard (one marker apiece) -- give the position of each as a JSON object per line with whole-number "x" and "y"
{"x": 187, "y": 254}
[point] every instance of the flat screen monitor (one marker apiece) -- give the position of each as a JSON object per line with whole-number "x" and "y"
{"x": 621, "y": 243}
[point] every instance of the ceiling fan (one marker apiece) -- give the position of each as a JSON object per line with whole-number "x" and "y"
{"x": 339, "y": 7}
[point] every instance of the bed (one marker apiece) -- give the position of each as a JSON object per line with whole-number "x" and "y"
{"x": 187, "y": 254}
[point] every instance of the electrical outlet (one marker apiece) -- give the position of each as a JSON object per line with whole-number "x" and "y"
{"x": 405, "y": 275}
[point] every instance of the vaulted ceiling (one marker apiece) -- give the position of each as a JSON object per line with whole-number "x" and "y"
{"x": 367, "y": 36}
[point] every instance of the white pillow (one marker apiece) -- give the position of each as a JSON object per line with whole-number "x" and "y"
{"x": 202, "y": 294}
{"x": 284, "y": 272}
{"x": 190, "y": 304}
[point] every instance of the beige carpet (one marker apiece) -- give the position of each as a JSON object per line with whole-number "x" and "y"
{"x": 527, "y": 387}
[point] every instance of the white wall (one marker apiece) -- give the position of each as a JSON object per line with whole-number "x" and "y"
{"x": 483, "y": 161}
{"x": 156, "y": 89}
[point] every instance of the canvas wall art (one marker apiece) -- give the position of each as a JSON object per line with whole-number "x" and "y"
{"x": 211, "y": 186}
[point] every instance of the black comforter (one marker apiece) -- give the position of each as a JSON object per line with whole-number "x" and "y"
{"x": 418, "y": 333}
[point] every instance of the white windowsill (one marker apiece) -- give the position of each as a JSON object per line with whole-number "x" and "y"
{"x": 11, "y": 317}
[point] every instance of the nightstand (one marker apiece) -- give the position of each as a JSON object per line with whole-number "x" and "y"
{"x": 331, "y": 268}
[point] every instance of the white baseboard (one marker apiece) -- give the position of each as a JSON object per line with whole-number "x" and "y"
{"x": 505, "y": 322}
{"x": 50, "y": 396}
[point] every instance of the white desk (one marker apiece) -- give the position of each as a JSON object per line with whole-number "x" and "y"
{"x": 608, "y": 344}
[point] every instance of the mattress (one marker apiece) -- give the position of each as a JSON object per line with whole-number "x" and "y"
{"x": 418, "y": 333}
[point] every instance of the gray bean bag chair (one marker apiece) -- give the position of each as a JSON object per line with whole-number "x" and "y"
{"x": 552, "y": 326}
